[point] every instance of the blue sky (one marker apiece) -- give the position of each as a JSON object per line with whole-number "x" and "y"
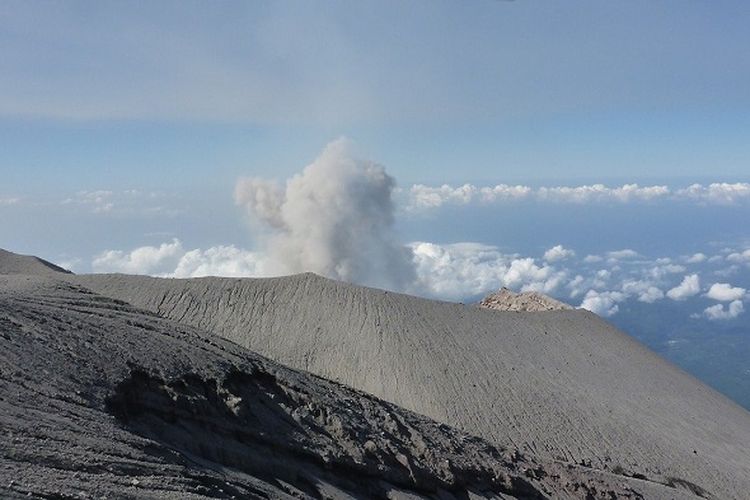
{"x": 142, "y": 93}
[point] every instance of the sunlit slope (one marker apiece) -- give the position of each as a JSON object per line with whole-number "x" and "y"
{"x": 99, "y": 399}
{"x": 560, "y": 384}
{"x": 13, "y": 263}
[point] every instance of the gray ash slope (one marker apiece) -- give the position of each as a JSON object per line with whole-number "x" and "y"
{"x": 559, "y": 385}
{"x": 13, "y": 263}
{"x": 99, "y": 398}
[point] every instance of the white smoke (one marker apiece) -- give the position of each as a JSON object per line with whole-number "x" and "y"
{"x": 335, "y": 219}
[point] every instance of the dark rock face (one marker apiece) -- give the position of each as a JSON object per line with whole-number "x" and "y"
{"x": 252, "y": 423}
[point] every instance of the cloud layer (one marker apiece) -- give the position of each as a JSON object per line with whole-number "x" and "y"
{"x": 423, "y": 197}
{"x": 467, "y": 271}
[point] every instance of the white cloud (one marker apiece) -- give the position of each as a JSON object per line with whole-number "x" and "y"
{"x": 71, "y": 264}
{"x": 727, "y": 271}
{"x": 689, "y": 287}
{"x": 602, "y": 303}
{"x": 463, "y": 270}
{"x": 129, "y": 201}
{"x": 722, "y": 193}
{"x": 426, "y": 197}
{"x": 9, "y": 200}
{"x": 576, "y": 286}
{"x": 97, "y": 201}
{"x": 719, "y": 312}
{"x": 696, "y": 258}
{"x": 173, "y": 261}
{"x": 432, "y": 197}
{"x": 423, "y": 197}
{"x": 623, "y": 254}
{"x": 144, "y": 260}
{"x": 645, "y": 291}
{"x": 601, "y": 277}
{"x": 740, "y": 257}
{"x": 558, "y": 253}
{"x": 661, "y": 271}
{"x": 593, "y": 259}
{"x": 457, "y": 271}
{"x": 724, "y": 292}
{"x": 600, "y": 192}
{"x": 651, "y": 295}
{"x": 503, "y": 192}
{"x": 222, "y": 261}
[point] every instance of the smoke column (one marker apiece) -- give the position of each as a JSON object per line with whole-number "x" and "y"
{"x": 335, "y": 218}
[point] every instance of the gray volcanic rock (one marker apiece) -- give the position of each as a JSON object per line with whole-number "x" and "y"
{"x": 98, "y": 398}
{"x": 560, "y": 385}
{"x": 13, "y": 263}
{"x": 506, "y": 300}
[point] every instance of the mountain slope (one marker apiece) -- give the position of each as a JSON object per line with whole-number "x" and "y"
{"x": 561, "y": 385}
{"x": 101, "y": 399}
{"x": 13, "y": 263}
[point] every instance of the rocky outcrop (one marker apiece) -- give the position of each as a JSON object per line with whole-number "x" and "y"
{"x": 507, "y": 300}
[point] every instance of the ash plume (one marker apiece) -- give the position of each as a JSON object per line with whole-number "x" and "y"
{"x": 335, "y": 218}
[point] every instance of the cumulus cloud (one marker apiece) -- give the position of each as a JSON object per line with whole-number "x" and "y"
{"x": 600, "y": 192}
{"x": 696, "y": 258}
{"x": 503, "y": 192}
{"x": 459, "y": 271}
{"x": 689, "y": 287}
{"x": 602, "y": 303}
{"x": 462, "y": 270}
{"x": 724, "y": 292}
{"x": 719, "y": 312}
{"x": 426, "y": 197}
{"x": 593, "y": 259}
{"x": 576, "y": 286}
{"x": 645, "y": 291}
{"x": 660, "y": 271}
{"x": 625, "y": 253}
{"x": 433, "y": 197}
{"x": 222, "y": 260}
{"x": 143, "y": 260}
{"x": 558, "y": 253}
{"x": 722, "y": 193}
{"x": 335, "y": 218}
{"x": 740, "y": 257}
{"x": 651, "y": 295}
{"x": 172, "y": 260}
